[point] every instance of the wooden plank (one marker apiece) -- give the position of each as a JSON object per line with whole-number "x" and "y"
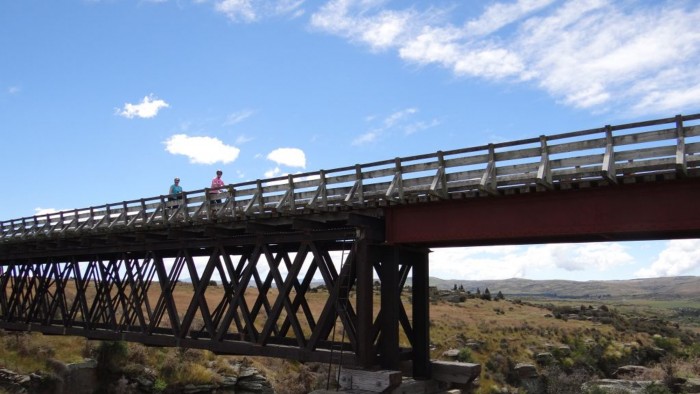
{"x": 480, "y": 159}
{"x": 577, "y": 146}
{"x": 645, "y": 137}
{"x": 372, "y": 381}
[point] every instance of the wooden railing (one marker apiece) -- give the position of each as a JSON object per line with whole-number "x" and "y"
{"x": 607, "y": 154}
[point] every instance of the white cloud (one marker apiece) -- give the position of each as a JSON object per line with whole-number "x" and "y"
{"x": 43, "y": 211}
{"x": 13, "y": 89}
{"x": 679, "y": 258}
{"x": 237, "y": 10}
{"x": 364, "y": 21}
{"x": 147, "y": 108}
{"x": 292, "y": 157}
{"x": 201, "y": 150}
{"x": 503, "y": 262}
{"x": 644, "y": 62}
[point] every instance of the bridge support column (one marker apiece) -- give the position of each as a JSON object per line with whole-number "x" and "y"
{"x": 389, "y": 350}
{"x": 421, "y": 314}
{"x": 366, "y": 353}
{"x": 394, "y": 266}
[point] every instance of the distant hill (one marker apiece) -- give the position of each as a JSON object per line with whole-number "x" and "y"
{"x": 678, "y": 287}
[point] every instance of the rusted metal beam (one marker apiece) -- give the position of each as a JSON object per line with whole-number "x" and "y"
{"x": 625, "y": 212}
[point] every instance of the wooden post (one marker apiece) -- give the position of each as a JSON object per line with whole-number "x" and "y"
{"x": 389, "y": 340}
{"x": 421, "y": 315}
{"x": 364, "y": 301}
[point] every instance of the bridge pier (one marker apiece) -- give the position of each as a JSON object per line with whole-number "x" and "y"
{"x": 393, "y": 265}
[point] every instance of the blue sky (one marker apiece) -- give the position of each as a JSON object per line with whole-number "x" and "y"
{"x": 103, "y": 101}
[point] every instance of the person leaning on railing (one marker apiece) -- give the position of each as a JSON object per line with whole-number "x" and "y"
{"x": 175, "y": 193}
{"x": 216, "y": 185}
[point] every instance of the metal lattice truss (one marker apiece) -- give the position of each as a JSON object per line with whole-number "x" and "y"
{"x": 607, "y": 154}
{"x": 261, "y": 299}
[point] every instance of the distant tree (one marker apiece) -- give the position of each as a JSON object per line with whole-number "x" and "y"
{"x": 500, "y": 296}
{"x": 455, "y": 288}
{"x": 478, "y": 292}
{"x": 461, "y": 287}
{"x": 486, "y": 295}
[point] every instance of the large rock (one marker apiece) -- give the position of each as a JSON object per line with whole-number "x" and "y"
{"x": 691, "y": 386}
{"x": 455, "y": 372}
{"x": 526, "y": 371}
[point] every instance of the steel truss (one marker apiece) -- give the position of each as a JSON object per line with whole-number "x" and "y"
{"x": 250, "y": 299}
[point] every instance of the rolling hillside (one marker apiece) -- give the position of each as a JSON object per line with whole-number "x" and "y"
{"x": 669, "y": 288}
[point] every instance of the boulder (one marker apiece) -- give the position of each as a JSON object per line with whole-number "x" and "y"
{"x": 564, "y": 350}
{"x": 544, "y": 358}
{"x": 452, "y": 353}
{"x": 526, "y": 371}
{"x": 474, "y": 344}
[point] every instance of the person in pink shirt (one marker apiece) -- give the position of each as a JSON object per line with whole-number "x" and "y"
{"x": 217, "y": 184}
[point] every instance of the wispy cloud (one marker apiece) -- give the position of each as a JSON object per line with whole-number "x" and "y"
{"x": 644, "y": 62}
{"x": 13, "y": 89}
{"x": 498, "y": 15}
{"x": 242, "y": 139}
{"x": 401, "y": 121}
{"x": 247, "y": 11}
{"x": 201, "y": 150}
{"x": 238, "y": 117}
{"x": 147, "y": 108}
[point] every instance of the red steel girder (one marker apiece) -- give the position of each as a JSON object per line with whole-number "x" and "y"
{"x": 625, "y": 212}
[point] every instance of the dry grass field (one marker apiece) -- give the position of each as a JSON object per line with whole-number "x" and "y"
{"x": 498, "y": 334}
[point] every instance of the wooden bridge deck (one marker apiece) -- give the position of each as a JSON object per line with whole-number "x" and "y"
{"x": 639, "y": 150}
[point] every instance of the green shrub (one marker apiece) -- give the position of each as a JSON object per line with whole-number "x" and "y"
{"x": 465, "y": 355}
{"x": 159, "y": 385}
{"x": 111, "y": 356}
{"x": 670, "y": 345}
{"x": 656, "y": 388}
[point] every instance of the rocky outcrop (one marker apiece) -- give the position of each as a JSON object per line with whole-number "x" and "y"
{"x": 81, "y": 378}
{"x": 34, "y": 383}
